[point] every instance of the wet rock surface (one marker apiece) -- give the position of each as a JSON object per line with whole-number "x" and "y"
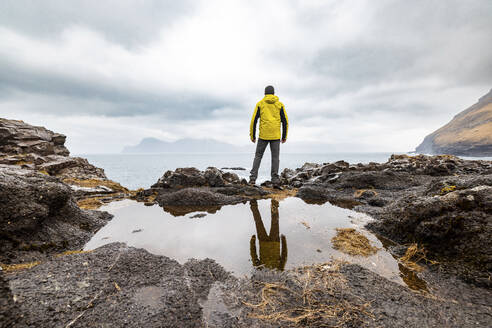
{"x": 190, "y": 188}
{"x": 39, "y": 216}
{"x": 117, "y": 285}
{"x": 114, "y": 286}
{"x": 456, "y": 226}
{"x": 441, "y": 202}
{"x": 352, "y": 297}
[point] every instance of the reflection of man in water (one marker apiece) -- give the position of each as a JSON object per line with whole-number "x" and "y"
{"x": 270, "y": 254}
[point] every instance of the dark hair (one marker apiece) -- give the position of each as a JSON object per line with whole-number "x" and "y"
{"x": 269, "y": 90}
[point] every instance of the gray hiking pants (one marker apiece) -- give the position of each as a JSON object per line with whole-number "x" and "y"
{"x": 260, "y": 150}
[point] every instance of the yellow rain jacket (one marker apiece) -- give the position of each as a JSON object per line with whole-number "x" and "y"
{"x": 272, "y": 115}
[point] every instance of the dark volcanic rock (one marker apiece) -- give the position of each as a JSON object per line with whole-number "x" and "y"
{"x": 38, "y": 215}
{"x": 196, "y": 197}
{"x": 17, "y": 137}
{"x": 200, "y": 189}
{"x": 441, "y": 202}
{"x": 455, "y": 225}
{"x": 36, "y": 148}
{"x": 241, "y": 190}
{"x": 71, "y": 167}
{"x": 40, "y": 150}
{"x": 192, "y": 177}
{"x": 313, "y": 192}
{"x": 214, "y": 177}
{"x": 230, "y": 177}
{"x": 396, "y": 306}
{"x": 386, "y": 180}
{"x": 181, "y": 178}
{"x": 9, "y": 312}
{"x": 115, "y": 286}
{"x": 355, "y": 296}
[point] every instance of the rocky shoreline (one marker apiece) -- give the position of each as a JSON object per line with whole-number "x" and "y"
{"x": 443, "y": 204}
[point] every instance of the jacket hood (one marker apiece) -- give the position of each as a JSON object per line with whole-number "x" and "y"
{"x": 270, "y": 99}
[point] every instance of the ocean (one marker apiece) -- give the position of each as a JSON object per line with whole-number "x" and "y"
{"x": 142, "y": 170}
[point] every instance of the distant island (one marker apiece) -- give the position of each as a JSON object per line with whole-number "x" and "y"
{"x": 154, "y": 145}
{"x": 189, "y": 145}
{"x": 469, "y": 133}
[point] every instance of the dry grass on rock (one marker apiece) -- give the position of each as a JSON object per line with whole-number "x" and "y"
{"x": 352, "y": 242}
{"x": 317, "y": 297}
{"x": 413, "y": 255}
{"x": 73, "y": 252}
{"x": 360, "y": 193}
{"x": 447, "y": 189}
{"x": 92, "y": 203}
{"x": 12, "y": 268}
{"x": 18, "y": 267}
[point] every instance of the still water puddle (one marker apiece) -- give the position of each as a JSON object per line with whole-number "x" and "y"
{"x": 268, "y": 233}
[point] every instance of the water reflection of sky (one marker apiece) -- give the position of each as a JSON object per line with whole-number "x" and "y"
{"x": 226, "y": 235}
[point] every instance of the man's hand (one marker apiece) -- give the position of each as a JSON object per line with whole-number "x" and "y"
{"x": 253, "y": 140}
{"x": 284, "y": 140}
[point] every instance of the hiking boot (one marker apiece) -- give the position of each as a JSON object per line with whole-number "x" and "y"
{"x": 276, "y": 184}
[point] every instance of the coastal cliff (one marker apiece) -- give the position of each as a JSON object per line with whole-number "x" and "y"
{"x": 469, "y": 133}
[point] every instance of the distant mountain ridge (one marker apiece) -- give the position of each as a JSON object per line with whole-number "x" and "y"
{"x": 469, "y": 133}
{"x": 154, "y": 145}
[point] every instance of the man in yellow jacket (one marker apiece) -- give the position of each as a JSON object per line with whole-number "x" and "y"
{"x": 272, "y": 115}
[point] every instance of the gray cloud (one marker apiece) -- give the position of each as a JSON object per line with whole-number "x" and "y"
{"x": 358, "y": 65}
{"x": 113, "y": 99}
{"x": 450, "y": 38}
{"x": 130, "y": 23}
{"x": 345, "y": 68}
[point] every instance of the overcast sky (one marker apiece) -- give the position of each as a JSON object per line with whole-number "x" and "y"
{"x": 354, "y": 75}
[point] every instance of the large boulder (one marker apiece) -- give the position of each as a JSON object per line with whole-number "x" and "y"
{"x": 17, "y": 137}
{"x": 184, "y": 189}
{"x": 214, "y": 177}
{"x": 181, "y": 178}
{"x": 40, "y": 150}
{"x": 386, "y": 180}
{"x": 71, "y": 167}
{"x": 312, "y": 192}
{"x": 196, "y": 197}
{"x": 188, "y": 177}
{"x": 453, "y": 223}
{"x": 38, "y": 215}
